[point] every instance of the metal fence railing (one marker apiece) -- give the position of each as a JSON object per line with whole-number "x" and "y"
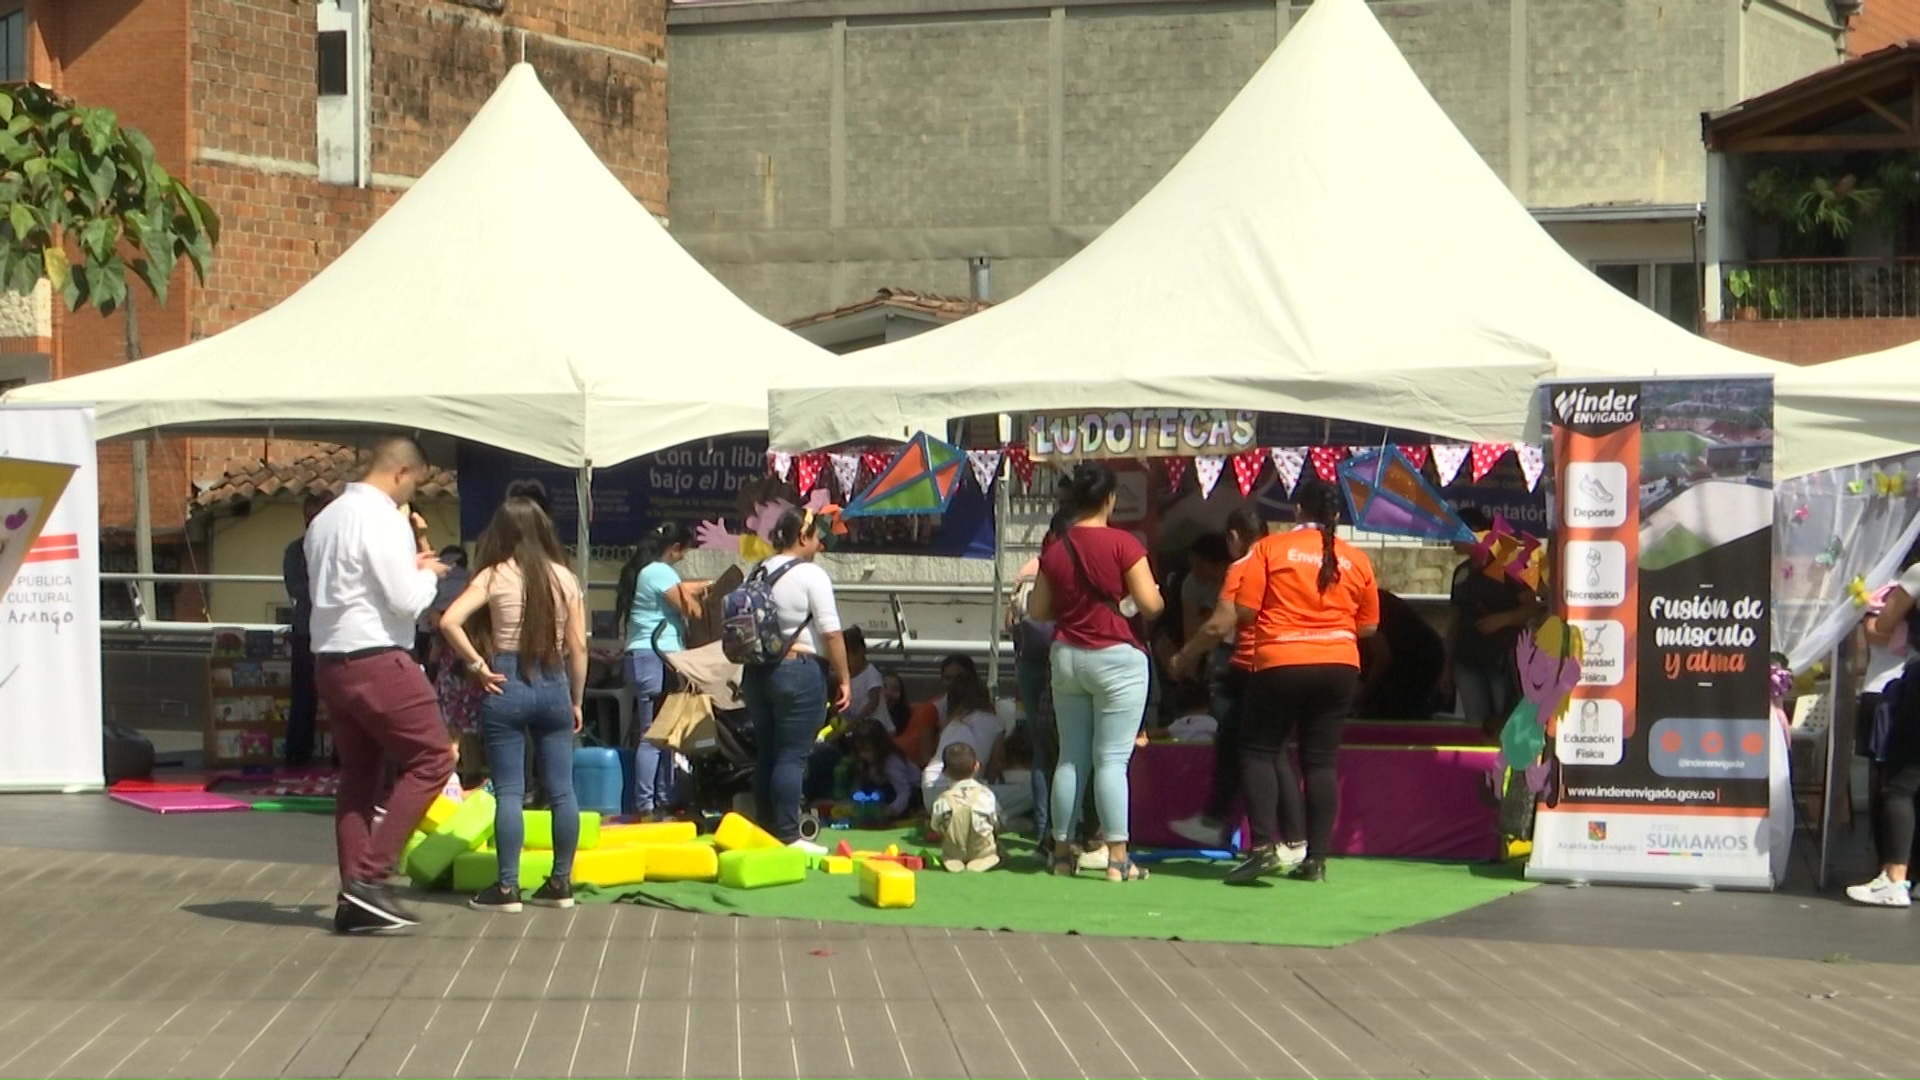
{"x": 1845, "y": 288}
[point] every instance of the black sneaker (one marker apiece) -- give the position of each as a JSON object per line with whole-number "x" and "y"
{"x": 379, "y": 899}
{"x": 351, "y": 918}
{"x": 1311, "y": 870}
{"x": 497, "y": 897}
{"x": 555, "y": 893}
{"x": 1259, "y": 862}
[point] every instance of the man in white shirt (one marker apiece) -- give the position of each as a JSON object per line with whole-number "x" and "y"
{"x": 369, "y": 584}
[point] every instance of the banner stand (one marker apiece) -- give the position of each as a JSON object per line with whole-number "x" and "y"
{"x": 1662, "y": 505}
{"x": 50, "y": 705}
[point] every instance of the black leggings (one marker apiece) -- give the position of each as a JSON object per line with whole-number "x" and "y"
{"x": 1229, "y": 688}
{"x": 1899, "y": 784}
{"x": 1312, "y": 700}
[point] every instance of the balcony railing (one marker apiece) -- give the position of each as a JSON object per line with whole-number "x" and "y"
{"x": 1821, "y": 289}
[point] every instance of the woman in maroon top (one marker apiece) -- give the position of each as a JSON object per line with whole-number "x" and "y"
{"x": 1093, "y": 584}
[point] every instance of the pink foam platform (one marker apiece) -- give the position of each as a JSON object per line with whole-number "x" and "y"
{"x": 179, "y": 802}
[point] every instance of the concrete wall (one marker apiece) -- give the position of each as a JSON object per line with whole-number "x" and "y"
{"x": 882, "y": 142}
{"x": 257, "y": 542}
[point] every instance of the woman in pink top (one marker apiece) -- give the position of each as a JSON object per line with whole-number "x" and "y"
{"x": 1099, "y": 661}
{"x": 533, "y": 683}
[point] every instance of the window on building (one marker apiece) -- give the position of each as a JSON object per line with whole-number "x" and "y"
{"x": 13, "y": 45}
{"x": 1670, "y": 288}
{"x": 11, "y": 384}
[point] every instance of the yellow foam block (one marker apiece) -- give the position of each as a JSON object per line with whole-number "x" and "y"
{"x": 757, "y": 868}
{"x": 736, "y": 833}
{"x": 886, "y": 884}
{"x": 681, "y": 862}
{"x": 439, "y": 814}
{"x": 863, "y": 856}
{"x": 662, "y": 832}
{"x": 611, "y": 866}
{"x": 837, "y": 864}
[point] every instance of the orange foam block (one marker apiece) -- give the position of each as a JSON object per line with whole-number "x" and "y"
{"x": 681, "y": 862}
{"x": 736, "y": 833}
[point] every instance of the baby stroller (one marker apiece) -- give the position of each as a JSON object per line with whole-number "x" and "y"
{"x": 722, "y": 763}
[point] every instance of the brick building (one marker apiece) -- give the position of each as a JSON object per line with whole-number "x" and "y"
{"x": 300, "y": 121}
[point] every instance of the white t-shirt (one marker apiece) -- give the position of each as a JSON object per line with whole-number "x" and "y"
{"x": 861, "y": 689}
{"x": 1194, "y": 729}
{"x": 1884, "y": 665}
{"x": 978, "y": 730}
{"x": 802, "y": 591}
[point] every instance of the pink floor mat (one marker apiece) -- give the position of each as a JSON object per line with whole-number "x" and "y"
{"x": 179, "y": 802}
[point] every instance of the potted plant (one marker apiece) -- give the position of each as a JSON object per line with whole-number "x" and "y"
{"x": 1740, "y": 286}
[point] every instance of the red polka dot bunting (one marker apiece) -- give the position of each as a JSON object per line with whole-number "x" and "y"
{"x": 1176, "y": 472}
{"x": 1486, "y": 456}
{"x": 1326, "y": 461}
{"x": 1416, "y": 454}
{"x": 1246, "y": 469}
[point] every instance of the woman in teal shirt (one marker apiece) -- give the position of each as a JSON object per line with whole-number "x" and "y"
{"x": 654, "y": 604}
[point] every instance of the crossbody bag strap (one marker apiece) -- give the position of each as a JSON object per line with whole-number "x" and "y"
{"x": 773, "y": 579}
{"x": 1086, "y": 582}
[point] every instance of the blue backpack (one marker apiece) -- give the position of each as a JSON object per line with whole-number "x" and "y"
{"x": 750, "y": 624}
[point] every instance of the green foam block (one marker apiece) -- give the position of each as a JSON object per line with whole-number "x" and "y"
{"x": 473, "y": 822}
{"x": 475, "y": 870}
{"x": 757, "y": 868}
{"x": 540, "y": 830}
{"x": 431, "y": 861}
{"x": 296, "y": 804}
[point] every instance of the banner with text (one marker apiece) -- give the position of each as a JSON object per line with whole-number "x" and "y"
{"x": 50, "y": 613}
{"x": 1663, "y": 518}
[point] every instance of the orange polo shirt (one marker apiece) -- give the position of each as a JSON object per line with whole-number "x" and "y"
{"x": 1297, "y": 623}
{"x": 1243, "y": 637}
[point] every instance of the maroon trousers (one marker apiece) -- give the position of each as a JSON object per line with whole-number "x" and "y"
{"x": 383, "y": 709}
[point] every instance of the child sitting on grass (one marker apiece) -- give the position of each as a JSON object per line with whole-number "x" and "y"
{"x": 966, "y": 815}
{"x": 881, "y": 767}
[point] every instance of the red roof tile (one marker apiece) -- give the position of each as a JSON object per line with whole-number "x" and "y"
{"x": 328, "y": 471}
{"x": 941, "y": 308}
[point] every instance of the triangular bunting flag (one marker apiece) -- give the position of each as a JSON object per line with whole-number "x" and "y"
{"x": 1416, "y": 454}
{"x": 1447, "y": 459}
{"x": 1532, "y": 463}
{"x": 1208, "y": 470}
{"x": 1326, "y": 461}
{"x": 1022, "y": 464}
{"x": 1176, "y": 468}
{"x": 1485, "y": 456}
{"x": 780, "y": 464}
{"x": 1287, "y": 462}
{"x": 806, "y": 471}
{"x": 1246, "y": 469}
{"x": 874, "y": 462}
{"x": 986, "y": 466}
{"x": 846, "y": 471}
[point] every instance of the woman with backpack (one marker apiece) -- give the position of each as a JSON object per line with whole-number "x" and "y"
{"x": 1899, "y": 754}
{"x": 1087, "y": 581}
{"x": 653, "y": 606}
{"x": 781, "y": 624}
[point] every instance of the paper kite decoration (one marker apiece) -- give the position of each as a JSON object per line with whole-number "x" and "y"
{"x": 1387, "y": 494}
{"x": 921, "y": 479}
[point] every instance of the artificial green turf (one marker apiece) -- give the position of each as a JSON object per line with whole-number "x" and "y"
{"x": 1183, "y": 900}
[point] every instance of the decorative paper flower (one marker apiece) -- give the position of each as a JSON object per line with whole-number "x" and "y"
{"x": 1780, "y": 682}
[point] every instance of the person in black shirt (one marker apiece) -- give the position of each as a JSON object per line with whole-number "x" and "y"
{"x": 1488, "y": 615}
{"x": 1401, "y": 666}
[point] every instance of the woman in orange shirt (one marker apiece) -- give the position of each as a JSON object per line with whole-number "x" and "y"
{"x": 1309, "y": 597}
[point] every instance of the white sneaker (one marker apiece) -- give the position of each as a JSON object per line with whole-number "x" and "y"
{"x": 1198, "y": 829}
{"x": 1292, "y": 855}
{"x": 1882, "y": 892}
{"x": 808, "y": 846}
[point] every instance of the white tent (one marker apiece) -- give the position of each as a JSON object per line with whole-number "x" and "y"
{"x": 517, "y": 295}
{"x": 1847, "y": 412}
{"x": 1331, "y": 246}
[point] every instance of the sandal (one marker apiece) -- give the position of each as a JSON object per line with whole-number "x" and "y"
{"x": 1065, "y": 865}
{"x": 1127, "y": 870}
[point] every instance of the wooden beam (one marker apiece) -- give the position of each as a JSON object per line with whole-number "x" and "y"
{"x": 1885, "y": 114}
{"x": 1763, "y": 144}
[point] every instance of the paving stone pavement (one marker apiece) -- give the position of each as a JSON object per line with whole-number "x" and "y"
{"x": 165, "y": 965}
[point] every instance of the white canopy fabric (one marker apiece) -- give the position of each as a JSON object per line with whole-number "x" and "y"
{"x": 1852, "y": 411}
{"x": 517, "y": 295}
{"x": 1331, "y": 246}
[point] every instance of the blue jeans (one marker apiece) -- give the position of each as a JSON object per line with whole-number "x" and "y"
{"x": 788, "y": 705}
{"x": 1033, "y": 673}
{"x": 1099, "y": 700}
{"x": 537, "y": 710}
{"x": 652, "y": 778}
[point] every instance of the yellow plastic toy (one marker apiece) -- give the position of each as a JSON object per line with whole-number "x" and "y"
{"x": 681, "y": 862}
{"x": 439, "y": 814}
{"x": 607, "y": 866}
{"x": 736, "y": 833}
{"x": 837, "y": 864}
{"x": 886, "y": 884}
{"x": 663, "y": 832}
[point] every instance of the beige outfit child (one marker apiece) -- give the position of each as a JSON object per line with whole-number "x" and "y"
{"x": 967, "y": 816}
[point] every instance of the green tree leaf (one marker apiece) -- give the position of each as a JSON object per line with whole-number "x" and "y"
{"x": 57, "y": 270}
{"x": 20, "y": 216}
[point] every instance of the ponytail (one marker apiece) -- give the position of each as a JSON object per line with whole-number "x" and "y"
{"x": 1320, "y": 505}
{"x": 666, "y": 535}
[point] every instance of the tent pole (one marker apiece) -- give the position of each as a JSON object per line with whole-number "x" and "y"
{"x": 583, "y": 557}
{"x": 142, "y": 482}
{"x": 1002, "y": 507}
